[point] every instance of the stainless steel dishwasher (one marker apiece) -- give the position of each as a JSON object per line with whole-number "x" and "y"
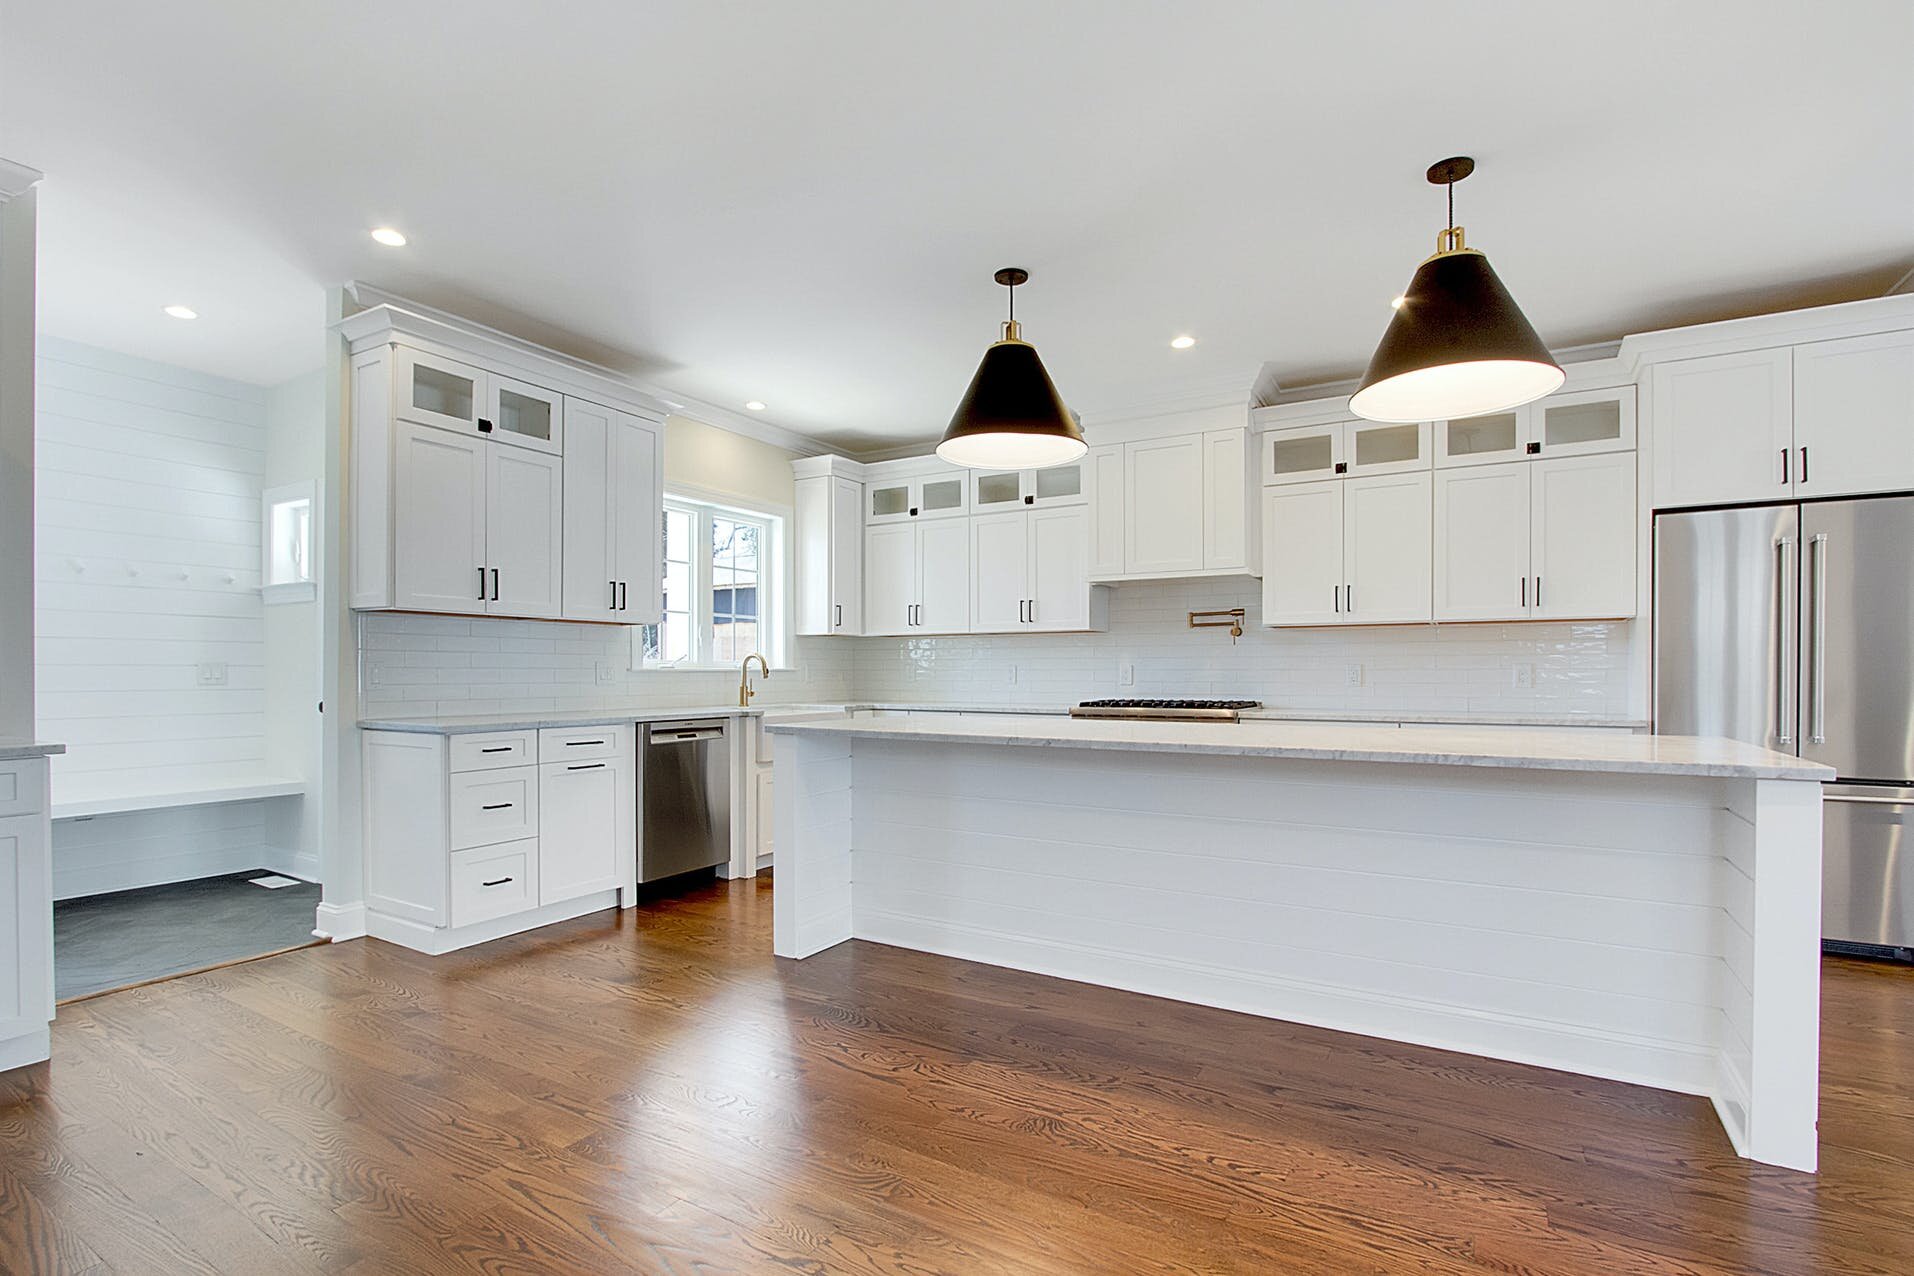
{"x": 686, "y": 798}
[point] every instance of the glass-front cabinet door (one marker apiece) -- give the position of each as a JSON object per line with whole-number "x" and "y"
{"x": 1058, "y": 485}
{"x": 1585, "y": 422}
{"x": 887, "y": 502}
{"x": 995, "y": 490}
{"x": 1305, "y": 454}
{"x": 916, "y": 496}
{"x": 1481, "y": 440}
{"x": 1377, "y": 447}
{"x": 434, "y": 391}
{"x": 524, "y": 415}
{"x": 942, "y": 496}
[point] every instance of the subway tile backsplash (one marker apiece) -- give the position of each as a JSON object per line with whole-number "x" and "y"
{"x": 425, "y": 665}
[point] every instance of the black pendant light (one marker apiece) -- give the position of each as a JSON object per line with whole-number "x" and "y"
{"x": 1459, "y": 345}
{"x": 1012, "y": 417}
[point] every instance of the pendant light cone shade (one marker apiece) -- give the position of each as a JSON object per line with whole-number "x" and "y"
{"x": 1458, "y": 345}
{"x": 1011, "y": 417}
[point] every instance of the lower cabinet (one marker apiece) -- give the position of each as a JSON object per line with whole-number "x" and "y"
{"x": 491, "y": 828}
{"x": 1347, "y": 551}
{"x": 26, "y": 913}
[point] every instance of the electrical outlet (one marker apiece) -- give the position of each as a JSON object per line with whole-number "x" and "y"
{"x": 1353, "y": 675}
{"x": 1126, "y": 675}
{"x": 1013, "y": 673}
{"x": 375, "y": 675}
{"x": 1522, "y": 675}
{"x": 212, "y": 673}
{"x": 605, "y": 673}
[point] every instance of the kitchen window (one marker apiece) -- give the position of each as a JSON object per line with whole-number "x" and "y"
{"x": 723, "y": 596}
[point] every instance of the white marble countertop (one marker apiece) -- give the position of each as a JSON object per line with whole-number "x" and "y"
{"x": 13, "y": 747}
{"x": 1564, "y": 750}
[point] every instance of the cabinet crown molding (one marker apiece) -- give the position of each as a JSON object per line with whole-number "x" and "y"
{"x": 1755, "y": 332}
{"x": 16, "y": 179}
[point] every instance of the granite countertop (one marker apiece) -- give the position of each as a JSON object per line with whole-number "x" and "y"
{"x": 15, "y": 747}
{"x": 1565, "y": 750}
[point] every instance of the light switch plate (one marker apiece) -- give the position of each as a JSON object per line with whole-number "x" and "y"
{"x": 605, "y": 673}
{"x": 1522, "y": 676}
{"x": 1126, "y": 675}
{"x": 1353, "y": 675}
{"x": 212, "y": 673}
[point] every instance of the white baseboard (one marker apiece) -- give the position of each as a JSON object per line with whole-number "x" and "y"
{"x": 18, "y": 1052}
{"x": 340, "y": 922}
{"x": 436, "y": 941}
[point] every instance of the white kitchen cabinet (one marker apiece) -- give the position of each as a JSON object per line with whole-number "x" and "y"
{"x": 434, "y": 390}
{"x": 764, "y": 808}
{"x": 587, "y": 821}
{"x": 613, "y": 489}
{"x": 1482, "y": 542}
{"x": 1347, "y": 449}
{"x": 1854, "y": 415}
{"x": 1583, "y": 519}
{"x": 993, "y": 491}
{"x": 1030, "y": 573}
{"x": 1108, "y": 512}
{"x": 26, "y": 913}
{"x": 1345, "y": 552}
{"x": 1724, "y": 428}
{"x": 830, "y": 554}
{"x": 1163, "y": 498}
{"x": 1578, "y": 423}
{"x": 523, "y": 414}
{"x": 943, "y": 493}
{"x": 524, "y": 531}
{"x": 460, "y": 850}
{"x": 438, "y": 520}
{"x": 917, "y": 578}
{"x": 1302, "y": 553}
{"x": 1548, "y": 540}
{"x": 1386, "y": 559}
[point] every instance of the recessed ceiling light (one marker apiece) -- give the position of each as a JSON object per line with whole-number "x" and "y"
{"x": 755, "y": 406}
{"x": 389, "y": 237}
{"x": 1397, "y": 303}
{"x": 182, "y": 312}
{"x": 1183, "y": 342}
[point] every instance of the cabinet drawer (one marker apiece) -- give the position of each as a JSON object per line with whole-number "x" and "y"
{"x": 20, "y": 787}
{"x": 582, "y": 744}
{"x": 494, "y": 881}
{"x": 488, "y": 807}
{"x": 490, "y": 752}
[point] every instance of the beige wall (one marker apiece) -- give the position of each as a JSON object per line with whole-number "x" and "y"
{"x": 702, "y": 459}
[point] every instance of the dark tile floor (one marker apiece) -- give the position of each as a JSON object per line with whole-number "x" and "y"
{"x": 110, "y": 941}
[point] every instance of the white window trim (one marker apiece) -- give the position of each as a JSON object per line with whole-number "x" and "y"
{"x": 774, "y": 586}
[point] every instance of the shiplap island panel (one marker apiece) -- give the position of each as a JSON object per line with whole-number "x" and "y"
{"x": 1634, "y": 907}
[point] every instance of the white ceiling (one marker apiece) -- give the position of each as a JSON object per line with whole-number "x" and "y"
{"x": 803, "y": 203}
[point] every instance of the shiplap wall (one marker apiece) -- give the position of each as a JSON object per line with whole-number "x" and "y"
{"x": 147, "y": 565}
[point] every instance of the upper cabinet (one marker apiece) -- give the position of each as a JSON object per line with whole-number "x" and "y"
{"x": 1350, "y": 552}
{"x": 614, "y": 465}
{"x": 1029, "y": 573}
{"x": 940, "y": 493}
{"x": 829, "y": 540}
{"x": 1578, "y": 423}
{"x": 465, "y": 497}
{"x": 1343, "y": 449}
{"x": 993, "y": 491}
{"x": 1821, "y": 418}
{"x": 1173, "y": 506}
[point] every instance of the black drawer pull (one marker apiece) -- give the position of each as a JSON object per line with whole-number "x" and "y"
{"x": 497, "y": 806}
{"x": 573, "y": 743}
{"x": 499, "y": 748}
{"x": 499, "y": 882}
{"x": 587, "y": 766}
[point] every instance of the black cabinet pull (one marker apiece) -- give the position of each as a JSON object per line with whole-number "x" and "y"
{"x": 481, "y": 596}
{"x": 495, "y": 584}
{"x": 1525, "y": 591}
{"x": 1784, "y": 467}
{"x": 1804, "y": 465}
{"x": 587, "y": 766}
{"x": 624, "y": 595}
{"x": 497, "y": 806}
{"x": 1538, "y": 591}
{"x": 1535, "y": 449}
{"x": 839, "y": 609}
{"x": 613, "y": 604}
{"x": 1349, "y": 598}
{"x": 485, "y": 427}
{"x": 572, "y": 744}
{"x": 1335, "y": 598}
{"x": 1029, "y": 500}
{"x": 497, "y": 881}
{"x": 497, "y": 748}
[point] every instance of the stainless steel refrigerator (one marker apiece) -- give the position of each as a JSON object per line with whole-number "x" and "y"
{"x": 1792, "y": 626}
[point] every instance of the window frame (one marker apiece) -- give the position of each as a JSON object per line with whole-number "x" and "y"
{"x": 774, "y": 570}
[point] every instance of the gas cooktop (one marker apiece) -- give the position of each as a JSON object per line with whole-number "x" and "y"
{"x": 1175, "y": 710}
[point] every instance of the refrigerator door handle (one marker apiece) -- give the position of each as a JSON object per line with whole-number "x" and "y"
{"x": 1818, "y": 639}
{"x": 1786, "y": 666}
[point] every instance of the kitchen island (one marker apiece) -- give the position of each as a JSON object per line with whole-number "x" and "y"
{"x": 1642, "y": 908}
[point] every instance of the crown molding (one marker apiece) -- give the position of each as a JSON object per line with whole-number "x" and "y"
{"x": 431, "y": 322}
{"x": 16, "y": 179}
{"x": 1754, "y": 332}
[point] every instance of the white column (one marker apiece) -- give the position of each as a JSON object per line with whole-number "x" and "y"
{"x": 1785, "y": 1050}
{"x": 811, "y": 907}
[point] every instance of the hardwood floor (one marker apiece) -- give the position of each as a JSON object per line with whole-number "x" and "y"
{"x": 652, "y": 1091}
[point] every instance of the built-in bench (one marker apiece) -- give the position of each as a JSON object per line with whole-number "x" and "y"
{"x": 112, "y": 833}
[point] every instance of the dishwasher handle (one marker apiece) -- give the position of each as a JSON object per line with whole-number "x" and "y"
{"x": 683, "y": 732}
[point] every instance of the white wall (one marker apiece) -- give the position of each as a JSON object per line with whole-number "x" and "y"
{"x": 17, "y": 198}
{"x": 1460, "y": 669}
{"x": 295, "y": 452}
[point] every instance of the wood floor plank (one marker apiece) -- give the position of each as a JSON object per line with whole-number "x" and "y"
{"x": 652, "y": 1091}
